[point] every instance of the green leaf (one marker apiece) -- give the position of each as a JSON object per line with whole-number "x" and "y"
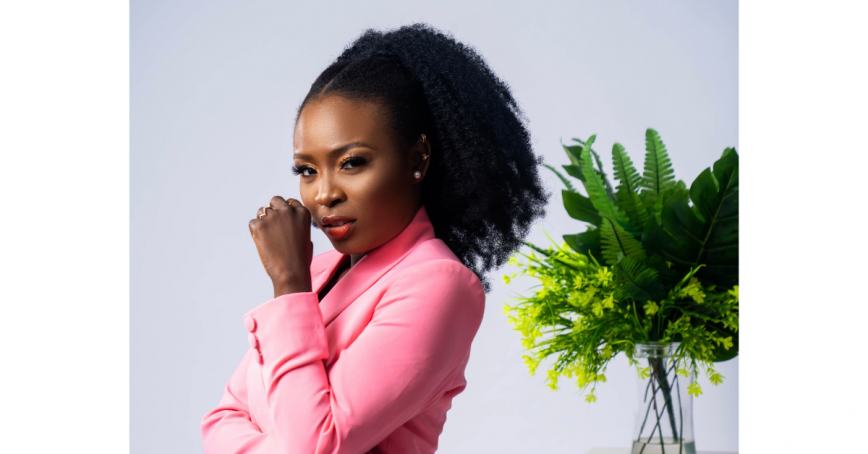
{"x": 668, "y": 276}
{"x": 574, "y": 171}
{"x": 580, "y": 207}
{"x": 596, "y": 190}
{"x": 681, "y": 220}
{"x": 563, "y": 178}
{"x": 721, "y": 353}
{"x": 587, "y": 243}
{"x": 672, "y": 249}
{"x": 634, "y": 280}
{"x": 656, "y": 207}
{"x": 536, "y": 248}
{"x": 706, "y": 233}
{"x": 573, "y": 152}
{"x": 659, "y": 175}
{"x": 628, "y": 189}
{"x": 618, "y": 243}
{"x": 599, "y": 169}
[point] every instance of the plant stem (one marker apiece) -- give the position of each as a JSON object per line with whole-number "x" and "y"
{"x": 680, "y": 415}
{"x": 647, "y": 411}
{"x": 657, "y": 416}
{"x": 659, "y": 369}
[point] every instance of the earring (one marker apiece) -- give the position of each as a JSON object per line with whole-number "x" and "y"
{"x": 423, "y": 137}
{"x": 417, "y": 174}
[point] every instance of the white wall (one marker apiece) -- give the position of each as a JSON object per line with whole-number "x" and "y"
{"x": 213, "y": 89}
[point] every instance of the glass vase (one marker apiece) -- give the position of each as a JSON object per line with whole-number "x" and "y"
{"x": 664, "y": 411}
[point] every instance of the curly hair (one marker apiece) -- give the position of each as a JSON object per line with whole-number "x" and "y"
{"x": 482, "y": 191}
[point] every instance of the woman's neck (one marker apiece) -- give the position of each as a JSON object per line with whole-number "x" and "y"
{"x": 354, "y": 258}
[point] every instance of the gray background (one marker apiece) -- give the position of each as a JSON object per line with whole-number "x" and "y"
{"x": 213, "y": 89}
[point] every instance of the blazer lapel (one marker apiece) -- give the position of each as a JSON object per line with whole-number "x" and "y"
{"x": 323, "y": 268}
{"x": 370, "y": 268}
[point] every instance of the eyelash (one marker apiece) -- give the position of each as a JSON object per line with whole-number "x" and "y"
{"x": 296, "y": 170}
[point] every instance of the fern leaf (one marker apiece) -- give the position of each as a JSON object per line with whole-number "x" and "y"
{"x": 637, "y": 281}
{"x": 596, "y": 190}
{"x": 599, "y": 169}
{"x": 628, "y": 189}
{"x": 563, "y": 178}
{"x": 659, "y": 175}
{"x": 618, "y": 243}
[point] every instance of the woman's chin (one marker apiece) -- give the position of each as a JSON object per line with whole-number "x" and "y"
{"x": 346, "y": 246}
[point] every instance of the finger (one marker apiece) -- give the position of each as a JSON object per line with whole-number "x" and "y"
{"x": 253, "y": 225}
{"x": 277, "y": 202}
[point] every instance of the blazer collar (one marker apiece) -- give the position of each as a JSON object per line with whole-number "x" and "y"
{"x": 370, "y": 268}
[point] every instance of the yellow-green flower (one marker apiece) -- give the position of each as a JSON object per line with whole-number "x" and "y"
{"x": 552, "y": 380}
{"x": 734, "y": 292}
{"x": 578, "y": 281}
{"x": 603, "y": 275}
{"x": 714, "y": 377}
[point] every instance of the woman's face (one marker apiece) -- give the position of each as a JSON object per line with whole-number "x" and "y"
{"x": 351, "y": 168}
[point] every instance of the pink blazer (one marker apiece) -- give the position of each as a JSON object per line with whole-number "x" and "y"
{"x": 372, "y": 368}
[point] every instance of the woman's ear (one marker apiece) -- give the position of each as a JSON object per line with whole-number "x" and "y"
{"x": 421, "y": 156}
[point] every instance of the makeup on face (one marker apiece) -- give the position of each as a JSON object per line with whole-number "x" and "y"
{"x": 354, "y": 177}
{"x": 338, "y": 227}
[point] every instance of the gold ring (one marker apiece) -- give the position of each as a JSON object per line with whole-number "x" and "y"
{"x": 264, "y": 211}
{"x": 289, "y": 202}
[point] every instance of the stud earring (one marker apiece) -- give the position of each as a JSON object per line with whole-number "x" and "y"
{"x": 417, "y": 174}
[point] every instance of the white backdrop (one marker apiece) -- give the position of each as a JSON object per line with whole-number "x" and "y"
{"x": 213, "y": 89}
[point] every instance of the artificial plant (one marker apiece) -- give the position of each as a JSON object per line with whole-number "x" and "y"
{"x": 658, "y": 262}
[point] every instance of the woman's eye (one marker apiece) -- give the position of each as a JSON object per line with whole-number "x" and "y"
{"x": 353, "y": 163}
{"x": 304, "y": 171}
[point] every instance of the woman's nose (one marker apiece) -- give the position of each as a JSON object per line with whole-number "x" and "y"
{"x": 329, "y": 193}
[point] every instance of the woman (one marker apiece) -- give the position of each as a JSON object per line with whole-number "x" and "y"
{"x": 413, "y": 158}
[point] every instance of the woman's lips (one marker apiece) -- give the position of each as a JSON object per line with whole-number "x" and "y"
{"x": 341, "y": 231}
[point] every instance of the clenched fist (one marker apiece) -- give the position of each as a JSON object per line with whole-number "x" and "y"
{"x": 281, "y": 232}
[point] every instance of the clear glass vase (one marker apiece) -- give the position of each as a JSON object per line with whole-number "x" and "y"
{"x": 664, "y": 411}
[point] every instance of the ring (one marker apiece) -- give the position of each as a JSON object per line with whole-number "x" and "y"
{"x": 289, "y": 202}
{"x": 264, "y": 211}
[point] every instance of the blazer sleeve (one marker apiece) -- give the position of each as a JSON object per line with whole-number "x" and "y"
{"x": 228, "y": 427}
{"x": 405, "y": 358}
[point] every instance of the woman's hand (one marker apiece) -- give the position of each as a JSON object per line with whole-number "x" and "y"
{"x": 282, "y": 237}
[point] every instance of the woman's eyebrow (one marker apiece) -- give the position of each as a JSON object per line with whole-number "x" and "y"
{"x": 336, "y": 151}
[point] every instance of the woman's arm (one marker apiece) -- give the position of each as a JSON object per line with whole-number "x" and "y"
{"x": 404, "y": 359}
{"x": 228, "y": 428}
